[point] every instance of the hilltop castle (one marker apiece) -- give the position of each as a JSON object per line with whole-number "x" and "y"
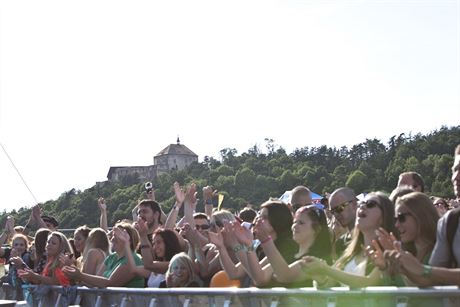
{"x": 173, "y": 157}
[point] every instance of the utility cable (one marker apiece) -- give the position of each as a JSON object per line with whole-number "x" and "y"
{"x": 22, "y": 178}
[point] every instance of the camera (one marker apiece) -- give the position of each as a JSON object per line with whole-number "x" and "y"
{"x": 148, "y": 187}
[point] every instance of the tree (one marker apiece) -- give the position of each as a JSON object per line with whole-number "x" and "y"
{"x": 358, "y": 181}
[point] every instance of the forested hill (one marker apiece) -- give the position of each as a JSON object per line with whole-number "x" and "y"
{"x": 260, "y": 173}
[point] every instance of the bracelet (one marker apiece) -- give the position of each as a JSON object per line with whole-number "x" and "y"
{"x": 238, "y": 248}
{"x": 208, "y": 202}
{"x": 250, "y": 248}
{"x": 427, "y": 271}
{"x": 145, "y": 246}
{"x": 266, "y": 240}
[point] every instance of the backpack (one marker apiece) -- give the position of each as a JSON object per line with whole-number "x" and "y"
{"x": 451, "y": 229}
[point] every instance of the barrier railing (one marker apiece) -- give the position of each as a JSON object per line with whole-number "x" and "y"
{"x": 275, "y": 297}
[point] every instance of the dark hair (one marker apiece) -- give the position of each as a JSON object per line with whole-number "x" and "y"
{"x": 152, "y": 205}
{"x": 172, "y": 245}
{"x": 41, "y": 237}
{"x": 247, "y": 215}
{"x": 322, "y": 246}
{"x": 50, "y": 219}
{"x": 280, "y": 218}
{"x": 84, "y": 230}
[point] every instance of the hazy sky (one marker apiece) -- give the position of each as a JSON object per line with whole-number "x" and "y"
{"x": 85, "y": 85}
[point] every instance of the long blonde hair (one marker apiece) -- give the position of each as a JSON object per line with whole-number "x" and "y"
{"x": 64, "y": 248}
{"x": 97, "y": 238}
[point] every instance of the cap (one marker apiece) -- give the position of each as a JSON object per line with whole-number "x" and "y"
{"x": 50, "y": 219}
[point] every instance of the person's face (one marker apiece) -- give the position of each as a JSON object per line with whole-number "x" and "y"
{"x": 20, "y": 246}
{"x": 202, "y": 226}
{"x": 263, "y": 215}
{"x": 79, "y": 241}
{"x": 406, "y": 224}
{"x": 177, "y": 276}
{"x": 52, "y": 246}
{"x": 158, "y": 246}
{"x": 456, "y": 176}
{"x": 408, "y": 180}
{"x": 146, "y": 213}
{"x": 302, "y": 229}
{"x": 343, "y": 209}
{"x": 369, "y": 215}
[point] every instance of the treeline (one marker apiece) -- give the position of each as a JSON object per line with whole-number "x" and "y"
{"x": 260, "y": 173}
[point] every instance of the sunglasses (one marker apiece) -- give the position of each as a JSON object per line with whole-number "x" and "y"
{"x": 339, "y": 209}
{"x": 369, "y": 204}
{"x": 401, "y": 217}
{"x": 203, "y": 227}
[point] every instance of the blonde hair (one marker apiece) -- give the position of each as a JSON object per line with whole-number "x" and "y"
{"x": 97, "y": 238}
{"x": 64, "y": 247}
{"x": 184, "y": 260}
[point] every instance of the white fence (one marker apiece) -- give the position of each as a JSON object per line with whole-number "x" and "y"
{"x": 42, "y": 296}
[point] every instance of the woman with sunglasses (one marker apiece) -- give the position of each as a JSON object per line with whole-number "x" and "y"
{"x": 416, "y": 221}
{"x": 353, "y": 267}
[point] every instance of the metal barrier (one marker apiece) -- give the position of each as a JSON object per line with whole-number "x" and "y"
{"x": 446, "y": 296}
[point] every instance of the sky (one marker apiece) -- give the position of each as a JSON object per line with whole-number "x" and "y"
{"x": 86, "y": 85}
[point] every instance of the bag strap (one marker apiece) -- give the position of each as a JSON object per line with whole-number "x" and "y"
{"x": 451, "y": 229}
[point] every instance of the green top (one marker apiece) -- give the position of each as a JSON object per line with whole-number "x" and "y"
{"x": 112, "y": 262}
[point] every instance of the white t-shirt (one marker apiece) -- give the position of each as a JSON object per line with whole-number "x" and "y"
{"x": 155, "y": 280}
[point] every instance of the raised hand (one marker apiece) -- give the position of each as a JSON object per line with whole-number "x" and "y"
{"x": 260, "y": 230}
{"x": 375, "y": 253}
{"x": 101, "y": 203}
{"x": 66, "y": 259}
{"x": 242, "y": 234}
{"x": 229, "y": 237}
{"x": 385, "y": 239}
{"x": 217, "y": 239}
{"x": 9, "y": 225}
{"x": 121, "y": 235}
{"x": 180, "y": 194}
{"x": 141, "y": 227}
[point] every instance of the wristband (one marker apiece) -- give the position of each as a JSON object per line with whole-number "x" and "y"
{"x": 145, "y": 246}
{"x": 208, "y": 201}
{"x": 250, "y": 248}
{"x": 266, "y": 240}
{"x": 427, "y": 271}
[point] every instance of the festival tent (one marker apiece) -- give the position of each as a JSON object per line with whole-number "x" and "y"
{"x": 286, "y": 197}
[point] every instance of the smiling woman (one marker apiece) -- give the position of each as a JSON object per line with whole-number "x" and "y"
{"x": 416, "y": 221}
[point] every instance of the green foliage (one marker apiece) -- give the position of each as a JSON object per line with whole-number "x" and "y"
{"x": 260, "y": 173}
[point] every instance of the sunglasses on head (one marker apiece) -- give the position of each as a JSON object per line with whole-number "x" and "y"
{"x": 204, "y": 227}
{"x": 401, "y": 217}
{"x": 339, "y": 209}
{"x": 369, "y": 204}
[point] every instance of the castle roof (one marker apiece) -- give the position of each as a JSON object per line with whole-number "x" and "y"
{"x": 177, "y": 149}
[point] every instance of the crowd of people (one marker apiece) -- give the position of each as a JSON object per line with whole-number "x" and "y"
{"x": 405, "y": 238}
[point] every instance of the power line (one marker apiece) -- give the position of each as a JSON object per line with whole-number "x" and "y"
{"x": 22, "y": 178}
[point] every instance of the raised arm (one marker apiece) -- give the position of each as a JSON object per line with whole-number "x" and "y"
{"x": 103, "y": 216}
{"x": 233, "y": 271}
{"x": 172, "y": 216}
{"x": 146, "y": 250}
